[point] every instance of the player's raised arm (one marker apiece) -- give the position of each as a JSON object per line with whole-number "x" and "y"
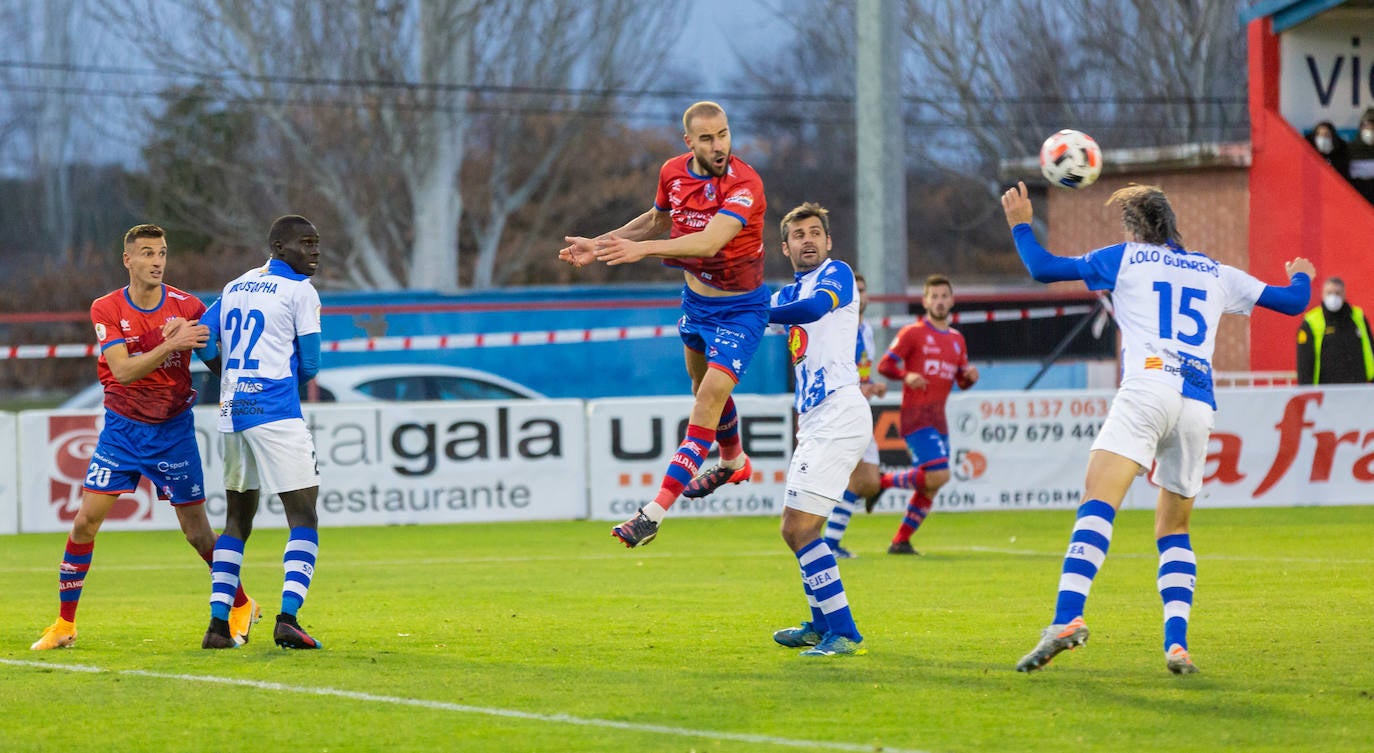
{"x": 1291, "y": 299}
{"x": 1042, "y": 265}
{"x": 621, "y": 249}
{"x": 581, "y": 251}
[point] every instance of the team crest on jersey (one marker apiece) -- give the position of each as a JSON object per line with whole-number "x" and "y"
{"x": 710, "y": 191}
{"x": 796, "y": 344}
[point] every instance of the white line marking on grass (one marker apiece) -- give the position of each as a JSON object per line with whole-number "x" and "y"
{"x": 354, "y": 695}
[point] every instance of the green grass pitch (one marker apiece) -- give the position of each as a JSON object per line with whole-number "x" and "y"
{"x": 551, "y": 637}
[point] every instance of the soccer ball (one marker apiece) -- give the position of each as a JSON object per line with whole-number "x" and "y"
{"x": 1071, "y": 159}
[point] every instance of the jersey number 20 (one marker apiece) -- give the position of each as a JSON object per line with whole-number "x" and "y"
{"x": 239, "y": 322}
{"x": 1185, "y": 308}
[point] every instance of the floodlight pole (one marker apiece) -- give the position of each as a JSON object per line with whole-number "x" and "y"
{"x": 881, "y": 152}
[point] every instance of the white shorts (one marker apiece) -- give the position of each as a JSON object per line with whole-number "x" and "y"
{"x": 274, "y": 457}
{"x": 1153, "y": 424}
{"x": 871, "y": 454}
{"x": 831, "y": 438}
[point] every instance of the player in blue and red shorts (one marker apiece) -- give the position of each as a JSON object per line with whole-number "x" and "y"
{"x": 711, "y": 204}
{"x": 146, "y": 333}
{"x": 928, "y": 357}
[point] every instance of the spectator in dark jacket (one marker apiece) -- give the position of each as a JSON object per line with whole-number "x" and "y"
{"x": 1362, "y": 157}
{"x": 1331, "y": 147}
{"x": 1333, "y": 341}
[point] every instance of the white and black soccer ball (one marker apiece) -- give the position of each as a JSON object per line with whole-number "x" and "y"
{"x": 1070, "y": 159}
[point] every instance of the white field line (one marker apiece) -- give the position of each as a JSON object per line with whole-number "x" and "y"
{"x": 117, "y": 566}
{"x": 373, "y": 698}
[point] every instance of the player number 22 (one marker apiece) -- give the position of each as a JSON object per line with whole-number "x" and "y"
{"x": 237, "y": 321}
{"x": 1185, "y": 308}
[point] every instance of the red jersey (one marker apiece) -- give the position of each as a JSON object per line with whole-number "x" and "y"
{"x": 166, "y": 391}
{"x": 939, "y": 355}
{"x": 692, "y": 200}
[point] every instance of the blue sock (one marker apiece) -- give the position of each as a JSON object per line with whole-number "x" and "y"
{"x": 839, "y": 519}
{"x": 299, "y": 563}
{"x": 1177, "y": 578}
{"x": 821, "y": 575}
{"x": 1092, "y": 534}
{"x": 224, "y": 575}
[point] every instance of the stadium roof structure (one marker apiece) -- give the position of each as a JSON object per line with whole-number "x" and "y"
{"x": 1290, "y": 13}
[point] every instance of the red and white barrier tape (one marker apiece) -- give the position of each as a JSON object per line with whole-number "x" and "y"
{"x": 540, "y": 337}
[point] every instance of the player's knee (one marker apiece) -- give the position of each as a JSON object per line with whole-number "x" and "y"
{"x": 936, "y": 479}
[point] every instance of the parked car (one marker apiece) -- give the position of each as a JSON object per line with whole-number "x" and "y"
{"x": 360, "y": 384}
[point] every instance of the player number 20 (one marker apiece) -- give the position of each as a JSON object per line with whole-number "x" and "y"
{"x": 238, "y": 322}
{"x": 1185, "y": 309}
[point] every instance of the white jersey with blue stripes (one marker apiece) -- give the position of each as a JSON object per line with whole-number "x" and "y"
{"x": 823, "y": 350}
{"x": 261, "y": 315}
{"x": 1168, "y": 303}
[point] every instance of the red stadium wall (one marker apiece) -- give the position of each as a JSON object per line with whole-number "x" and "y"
{"x": 1298, "y": 207}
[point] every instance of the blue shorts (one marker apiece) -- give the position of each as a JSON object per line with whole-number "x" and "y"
{"x": 727, "y": 330}
{"x": 166, "y": 454}
{"x": 929, "y": 449}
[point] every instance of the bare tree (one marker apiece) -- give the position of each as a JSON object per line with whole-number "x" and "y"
{"x": 365, "y": 111}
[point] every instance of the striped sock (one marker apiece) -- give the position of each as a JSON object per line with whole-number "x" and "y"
{"x": 818, "y": 622}
{"x": 916, "y": 511}
{"x": 71, "y": 577}
{"x": 839, "y": 519}
{"x": 224, "y": 575}
{"x": 1177, "y": 578}
{"x": 240, "y": 598}
{"x": 727, "y": 433}
{"x": 821, "y": 574}
{"x": 910, "y": 479}
{"x": 1092, "y": 534}
{"x": 684, "y": 465}
{"x": 299, "y": 563}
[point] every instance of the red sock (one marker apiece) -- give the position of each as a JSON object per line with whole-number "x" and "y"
{"x": 71, "y": 577}
{"x": 685, "y": 463}
{"x": 240, "y": 598}
{"x": 727, "y": 433}
{"x": 916, "y": 511}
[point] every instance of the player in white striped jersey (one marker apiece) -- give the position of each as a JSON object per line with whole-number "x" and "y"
{"x": 265, "y": 343}
{"x": 834, "y": 424}
{"x": 1168, "y": 303}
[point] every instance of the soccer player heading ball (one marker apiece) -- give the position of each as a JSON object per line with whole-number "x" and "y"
{"x": 1168, "y": 303}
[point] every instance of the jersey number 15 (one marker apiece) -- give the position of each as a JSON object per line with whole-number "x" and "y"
{"x": 1185, "y": 308}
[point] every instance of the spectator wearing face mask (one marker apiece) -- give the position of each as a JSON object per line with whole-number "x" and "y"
{"x": 1331, "y": 147}
{"x": 1362, "y": 157}
{"x": 1333, "y": 341}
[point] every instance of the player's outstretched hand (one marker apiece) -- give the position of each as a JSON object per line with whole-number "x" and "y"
{"x": 579, "y": 252}
{"x": 1017, "y": 205}
{"x": 613, "y": 250}
{"x": 1300, "y": 264}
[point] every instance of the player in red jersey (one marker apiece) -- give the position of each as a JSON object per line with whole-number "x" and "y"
{"x": 711, "y": 205}
{"x": 929, "y": 357}
{"x": 146, "y": 333}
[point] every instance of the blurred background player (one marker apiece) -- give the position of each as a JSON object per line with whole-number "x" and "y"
{"x": 834, "y": 423}
{"x": 1168, "y": 303}
{"x": 928, "y": 357}
{"x": 865, "y": 481}
{"x": 712, "y": 206}
{"x": 146, "y": 332}
{"x": 265, "y": 343}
